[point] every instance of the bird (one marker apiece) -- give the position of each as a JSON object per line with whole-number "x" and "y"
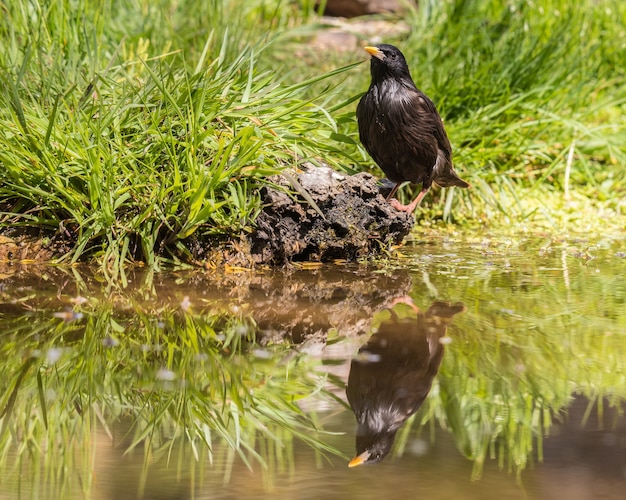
{"x": 392, "y": 374}
{"x": 401, "y": 128}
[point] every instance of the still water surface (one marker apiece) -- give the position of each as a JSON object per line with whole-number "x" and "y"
{"x": 477, "y": 367}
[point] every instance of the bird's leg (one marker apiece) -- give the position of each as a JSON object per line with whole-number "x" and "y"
{"x": 393, "y": 191}
{"x": 411, "y": 206}
{"x": 405, "y": 299}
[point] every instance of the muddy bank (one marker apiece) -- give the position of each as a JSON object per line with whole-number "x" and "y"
{"x": 314, "y": 214}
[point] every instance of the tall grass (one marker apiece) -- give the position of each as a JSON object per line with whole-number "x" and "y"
{"x": 127, "y": 127}
{"x": 129, "y": 136}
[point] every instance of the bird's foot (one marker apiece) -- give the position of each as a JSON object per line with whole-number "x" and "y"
{"x": 411, "y": 206}
{"x": 403, "y": 208}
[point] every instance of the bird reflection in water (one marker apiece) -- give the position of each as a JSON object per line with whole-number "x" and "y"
{"x": 392, "y": 374}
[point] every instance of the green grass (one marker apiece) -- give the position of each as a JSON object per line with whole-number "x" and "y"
{"x": 521, "y": 85}
{"x": 153, "y": 145}
{"x": 126, "y": 128}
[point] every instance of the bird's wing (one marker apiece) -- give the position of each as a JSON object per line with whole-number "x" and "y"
{"x": 428, "y": 115}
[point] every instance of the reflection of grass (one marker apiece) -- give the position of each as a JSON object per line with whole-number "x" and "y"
{"x": 533, "y": 335}
{"x": 199, "y": 382}
{"x": 544, "y": 320}
{"x": 499, "y": 391}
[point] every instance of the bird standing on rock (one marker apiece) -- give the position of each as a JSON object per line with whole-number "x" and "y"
{"x": 401, "y": 129}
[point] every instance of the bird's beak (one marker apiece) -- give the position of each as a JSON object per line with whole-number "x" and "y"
{"x": 375, "y": 52}
{"x": 359, "y": 459}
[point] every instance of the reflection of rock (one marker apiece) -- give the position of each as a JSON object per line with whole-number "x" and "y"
{"x": 304, "y": 305}
{"x": 356, "y": 221}
{"x": 392, "y": 375}
{"x": 294, "y": 305}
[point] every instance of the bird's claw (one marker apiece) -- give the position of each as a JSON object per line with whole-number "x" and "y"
{"x": 402, "y": 208}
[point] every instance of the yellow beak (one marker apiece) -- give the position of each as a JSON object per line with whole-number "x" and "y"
{"x": 359, "y": 459}
{"x": 375, "y": 52}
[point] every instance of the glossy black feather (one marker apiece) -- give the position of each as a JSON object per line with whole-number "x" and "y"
{"x": 400, "y": 127}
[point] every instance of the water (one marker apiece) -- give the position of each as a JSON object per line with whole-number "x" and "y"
{"x": 499, "y": 362}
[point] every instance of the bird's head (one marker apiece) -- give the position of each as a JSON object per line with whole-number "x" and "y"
{"x": 387, "y": 61}
{"x": 372, "y": 448}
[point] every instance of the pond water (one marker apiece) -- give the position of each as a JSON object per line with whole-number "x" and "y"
{"x": 477, "y": 367}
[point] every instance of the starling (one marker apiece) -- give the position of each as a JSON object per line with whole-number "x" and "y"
{"x": 401, "y": 129}
{"x": 392, "y": 375}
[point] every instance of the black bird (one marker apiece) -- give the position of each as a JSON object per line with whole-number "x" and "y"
{"x": 392, "y": 375}
{"x": 401, "y": 129}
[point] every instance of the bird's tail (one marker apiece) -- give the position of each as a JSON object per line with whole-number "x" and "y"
{"x": 451, "y": 179}
{"x": 444, "y": 174}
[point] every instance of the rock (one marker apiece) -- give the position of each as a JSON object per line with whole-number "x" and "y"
{"x": 349, "y": 35}
{"x": 357, "y": 221}
{"x": 353, "y": 8}
{"x": 23, "y": 246}
{"x": 335, "y": 40}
